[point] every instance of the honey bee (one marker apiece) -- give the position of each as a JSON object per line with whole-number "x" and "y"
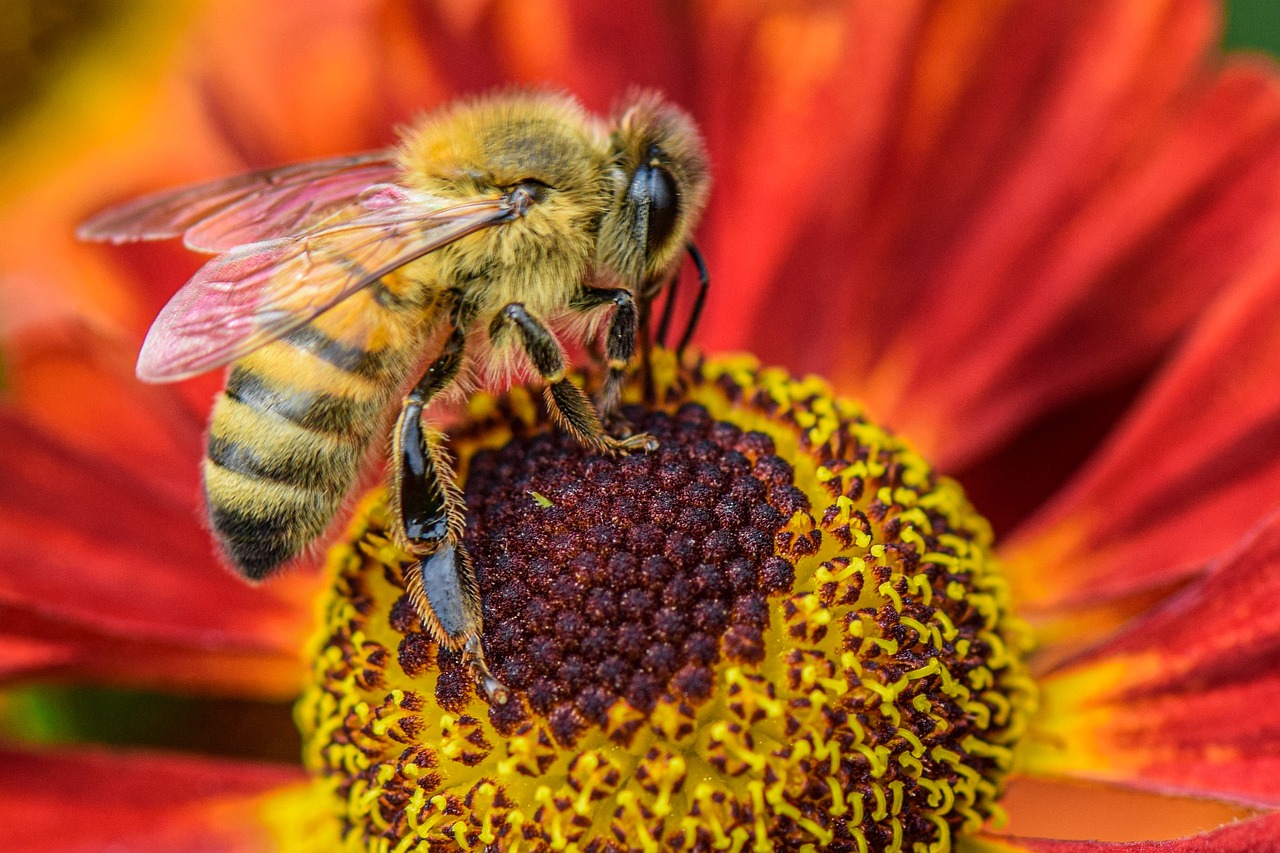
{"x": 347, "y": 291}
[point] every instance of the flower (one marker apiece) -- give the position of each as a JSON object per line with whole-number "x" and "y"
{"x": 999, "y": 226}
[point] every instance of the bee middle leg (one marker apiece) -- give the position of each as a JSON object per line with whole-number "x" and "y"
{"x": 569, "y": 406}
{"x": 619, "y": 340}
{"x": 428, "y": 514}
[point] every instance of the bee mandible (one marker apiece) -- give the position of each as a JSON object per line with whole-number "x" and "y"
{"x": 349, "y": 291}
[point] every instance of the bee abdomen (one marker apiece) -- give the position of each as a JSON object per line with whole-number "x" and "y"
{"x": 371, "y": 364}
{"x": 280, "y": 461}
{"x": 318, "y": 411}
{"x": 258, "y": 542}
{"x": 315, "y": 467}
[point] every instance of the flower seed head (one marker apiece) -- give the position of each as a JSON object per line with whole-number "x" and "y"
{"x": 780, "y": 630}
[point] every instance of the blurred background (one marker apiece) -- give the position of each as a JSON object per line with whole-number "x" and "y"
{"x": 39, "y": 38}
{"x": 1253, "y": 25}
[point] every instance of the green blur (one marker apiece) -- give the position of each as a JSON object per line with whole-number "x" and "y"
{"x": 40, "y": 715}
{"x": 1253, "y": 25}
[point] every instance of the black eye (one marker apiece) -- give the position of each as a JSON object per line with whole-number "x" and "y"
{"x": 654, "y": 187}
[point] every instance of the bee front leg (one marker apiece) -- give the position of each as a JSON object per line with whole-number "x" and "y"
{"x": 619, "y": 339}
{"x": 570, "y": 408}
{"x": 428, "y": 512}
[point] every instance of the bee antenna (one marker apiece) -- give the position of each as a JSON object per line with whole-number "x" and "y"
{"x": 704, "y": 283}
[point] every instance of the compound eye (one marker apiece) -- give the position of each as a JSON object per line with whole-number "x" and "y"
{"x": 653, "y": 186}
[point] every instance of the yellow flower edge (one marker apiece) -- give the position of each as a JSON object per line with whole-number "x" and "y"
{"x": 857, "y": 683}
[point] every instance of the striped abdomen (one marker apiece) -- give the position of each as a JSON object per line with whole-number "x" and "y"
{"x": 291, "y": 431}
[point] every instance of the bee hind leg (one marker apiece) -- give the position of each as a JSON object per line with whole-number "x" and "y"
{"x": 443, "y": 590}
{"x": 569, "y": 406}
{"x": 427, "y": 512}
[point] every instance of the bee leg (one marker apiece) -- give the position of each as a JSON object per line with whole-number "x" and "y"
{"x": 570, "y": 408}
{"x": 620, "y": 339}
{"x": 695, "y": 314}
{"x": 668, "y": 308}
{"x": 427, "y": 513}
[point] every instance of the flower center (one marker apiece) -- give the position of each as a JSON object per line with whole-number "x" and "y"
{"x": 623, "y": 579}
{"x": 781, "y": 629}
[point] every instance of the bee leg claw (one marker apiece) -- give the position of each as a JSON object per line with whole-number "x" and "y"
{"x": 495, "y": 690}
{"x": 638, "y": 443}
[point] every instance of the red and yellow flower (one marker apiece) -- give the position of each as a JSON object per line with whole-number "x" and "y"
{"x": 1041, "y": 243}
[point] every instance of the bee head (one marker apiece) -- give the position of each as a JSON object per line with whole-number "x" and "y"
{"x": 662, "y": 179}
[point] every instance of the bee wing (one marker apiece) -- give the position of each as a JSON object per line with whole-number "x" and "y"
{"x": 259, "y": 292}
{"x": 223, "y": 214}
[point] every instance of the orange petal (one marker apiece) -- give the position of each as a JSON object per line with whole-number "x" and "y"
{"x": 1186, "y": 699}
{"x": 90, "y": 800}
{"x": 1247, "y": 836}
{"x": 1069, "y": 810}
{"x": 1184, "y": 476}
{"x": 1040, "y": 210}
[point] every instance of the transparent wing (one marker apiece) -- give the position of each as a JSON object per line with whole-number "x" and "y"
{"x": 259, "y": 292}
{"x": 220, "y": 215}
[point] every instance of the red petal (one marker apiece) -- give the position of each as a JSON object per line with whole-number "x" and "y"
{"x": 1186, "y": 699}
{"x": 968, "y": 264}
{"x": 88, "y": 800}
{"x": 82, "y": 539}
{"x": 1259, "y": 835}
{"x": 21, "y": 655}
{"x": 800, "y": 103}
{"x": 473, "y": 47}
{"x": 71, "y": 384}
{"x": 384, "y": 62}
{"x": 105, "y": 559}
{"x": 47, "y": 646}
{"x": 1188, "y": 472}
